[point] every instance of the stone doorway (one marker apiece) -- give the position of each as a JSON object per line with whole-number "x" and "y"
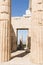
{"x": 22, "y": 38}
{"x": 23, "y": 49}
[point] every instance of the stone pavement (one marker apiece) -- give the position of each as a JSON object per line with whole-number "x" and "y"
{"x": 19, "y": 58}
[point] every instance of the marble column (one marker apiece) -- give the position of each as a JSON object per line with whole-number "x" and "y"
{"x": 37, "y": 32}
{"x": 5, "y": 22}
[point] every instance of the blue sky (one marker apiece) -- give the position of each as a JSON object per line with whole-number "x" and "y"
{"x": 23, "y": 34}
{"x": 19, "y": 7}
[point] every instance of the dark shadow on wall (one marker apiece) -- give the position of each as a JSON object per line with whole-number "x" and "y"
{"x": 20, "y": 46}
{"x": 13, "y": 40}
{"x": 29, "y": 42}
{"x": 20, "y": 55}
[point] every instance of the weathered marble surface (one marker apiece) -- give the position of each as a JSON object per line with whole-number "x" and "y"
{"x": 5, "y": 30}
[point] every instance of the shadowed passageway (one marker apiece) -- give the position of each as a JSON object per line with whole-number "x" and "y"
{"x": 19, "y": 54}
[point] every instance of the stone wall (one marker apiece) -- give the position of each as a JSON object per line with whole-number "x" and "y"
{"x": 19, "y": 23}
{"x": 37, "y": 32}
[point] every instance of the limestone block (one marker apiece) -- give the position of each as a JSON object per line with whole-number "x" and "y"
{"x": 38, "y": 5}
{"x": 6, "y": 2}
{"x": 39, "y": 1}
{"x": 4, "y": 9}
{"x": 4, "y": 16}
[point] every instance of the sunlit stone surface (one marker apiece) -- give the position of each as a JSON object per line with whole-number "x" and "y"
{"x": 4, "y": 30}
{"x": 37, "y": 32}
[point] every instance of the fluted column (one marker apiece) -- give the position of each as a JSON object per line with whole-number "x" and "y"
{"x": 5, "y": 23}
{"x": 37, "y": 32}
